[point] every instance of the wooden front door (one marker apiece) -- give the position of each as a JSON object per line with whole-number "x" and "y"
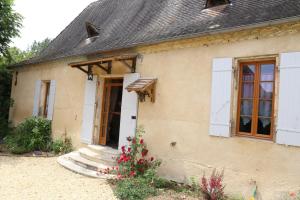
{"x": 111, "y": 112}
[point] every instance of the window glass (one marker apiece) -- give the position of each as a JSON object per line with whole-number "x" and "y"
{"x": 266, "y": 90}
{"x": 264, "y": 126}
{"x": 267, "y": 72}
{"x": 245, "y": 124}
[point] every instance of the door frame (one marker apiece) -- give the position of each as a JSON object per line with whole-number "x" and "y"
{"x": 105, "y": 106}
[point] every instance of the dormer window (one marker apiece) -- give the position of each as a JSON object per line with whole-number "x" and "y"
{"x": 91, "y": 30}
{"x": 213, "y": 3}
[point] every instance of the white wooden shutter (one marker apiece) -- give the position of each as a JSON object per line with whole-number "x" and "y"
{"x": 221, "y": 97}
{"x": 288, "y": 127}
{"x": 88, "y": 111}
{"x": 36, "y": 101}
{"x": 51, "y": 99}
{"x": 128, "y": 110}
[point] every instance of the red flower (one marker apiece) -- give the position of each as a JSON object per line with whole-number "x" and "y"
{"x": 151, "y": 158}
{"x": 140, "y": 161}
{"x": 129, "y": 149}
{"x": 123, "y": 149}
{"x": 119, "y": 176}
{"x": 141, "y": 141}
{"x": 132, "y": 173}
{"x": 144, "y": 152}
{"x": 293, "y": 194}
{"x": 133, "y": 141}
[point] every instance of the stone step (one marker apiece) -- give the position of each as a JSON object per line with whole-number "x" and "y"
{"x": 99, "y": 158}
{"x": 69, "y": 163}
{"x": 78, "y": 159}
{"x": 104, "y": 150}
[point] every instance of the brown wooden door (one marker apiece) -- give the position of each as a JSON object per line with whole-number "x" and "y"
{"x": 256, "y": 99}
{"x": 109, "y": 109}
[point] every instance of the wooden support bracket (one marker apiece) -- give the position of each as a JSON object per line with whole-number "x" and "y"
{"x": 132, "y": 67}
{"x": 106, "y": 69}
{"x": 80, "y": 68}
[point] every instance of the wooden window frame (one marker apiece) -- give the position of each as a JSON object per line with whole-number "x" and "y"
{"x": 256, "y": 93}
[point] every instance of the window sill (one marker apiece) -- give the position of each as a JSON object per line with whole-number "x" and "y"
{"x": 260, "y": 138}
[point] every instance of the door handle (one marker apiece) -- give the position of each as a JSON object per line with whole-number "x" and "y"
{"x": 133, "y": 117}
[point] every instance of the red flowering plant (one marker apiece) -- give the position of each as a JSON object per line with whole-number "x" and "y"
{"x": 134, "y": 159}
{"x": 213, "y": 188}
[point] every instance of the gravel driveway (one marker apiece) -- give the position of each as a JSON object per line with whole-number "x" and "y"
{"x": 43, "y": 178}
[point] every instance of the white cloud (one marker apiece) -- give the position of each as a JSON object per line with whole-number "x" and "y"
{"x": 45, "y": 18}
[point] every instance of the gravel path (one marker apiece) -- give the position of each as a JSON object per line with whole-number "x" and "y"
{"x": 43, "y": 178}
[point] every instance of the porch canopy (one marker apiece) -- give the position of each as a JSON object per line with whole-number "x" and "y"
{"x": 143, "y": 87}
{"x": 105, "y": 63}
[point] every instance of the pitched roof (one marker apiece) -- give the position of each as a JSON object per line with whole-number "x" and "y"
{"x": 128, "y": 23}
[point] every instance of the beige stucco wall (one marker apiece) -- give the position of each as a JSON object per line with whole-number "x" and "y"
{"x": 68, "y": 99}
{"x": 181, "y": 114}
{"x": 182, "y": 109}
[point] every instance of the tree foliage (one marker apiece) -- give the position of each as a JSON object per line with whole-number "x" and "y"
{"x": 10, "y": 22}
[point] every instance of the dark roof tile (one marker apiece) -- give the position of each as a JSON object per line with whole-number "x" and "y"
{"x": 127, "y": 23}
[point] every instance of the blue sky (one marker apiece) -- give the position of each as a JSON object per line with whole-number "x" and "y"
{"x": 45, "y": 18}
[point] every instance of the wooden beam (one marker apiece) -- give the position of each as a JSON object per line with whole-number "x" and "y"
{"x": 105, "y": 59}
{"x": 133, "y": 65}
{"x": 102, "y": 67}
{"x": 109, "y": 67}
{"x": 80, "y": 68}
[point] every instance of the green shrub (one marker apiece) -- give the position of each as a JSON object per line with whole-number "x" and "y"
{"x": 4, "y": 127}
{"x": 32, "y": 134}
{"x": 62, "y": 146}
{"x": 134, "y": 188}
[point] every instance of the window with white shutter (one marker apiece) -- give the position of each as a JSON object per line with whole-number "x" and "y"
{"x": 44, "y": 99}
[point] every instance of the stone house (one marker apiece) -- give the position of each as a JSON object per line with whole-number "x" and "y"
{"x": 213, "y": 83}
